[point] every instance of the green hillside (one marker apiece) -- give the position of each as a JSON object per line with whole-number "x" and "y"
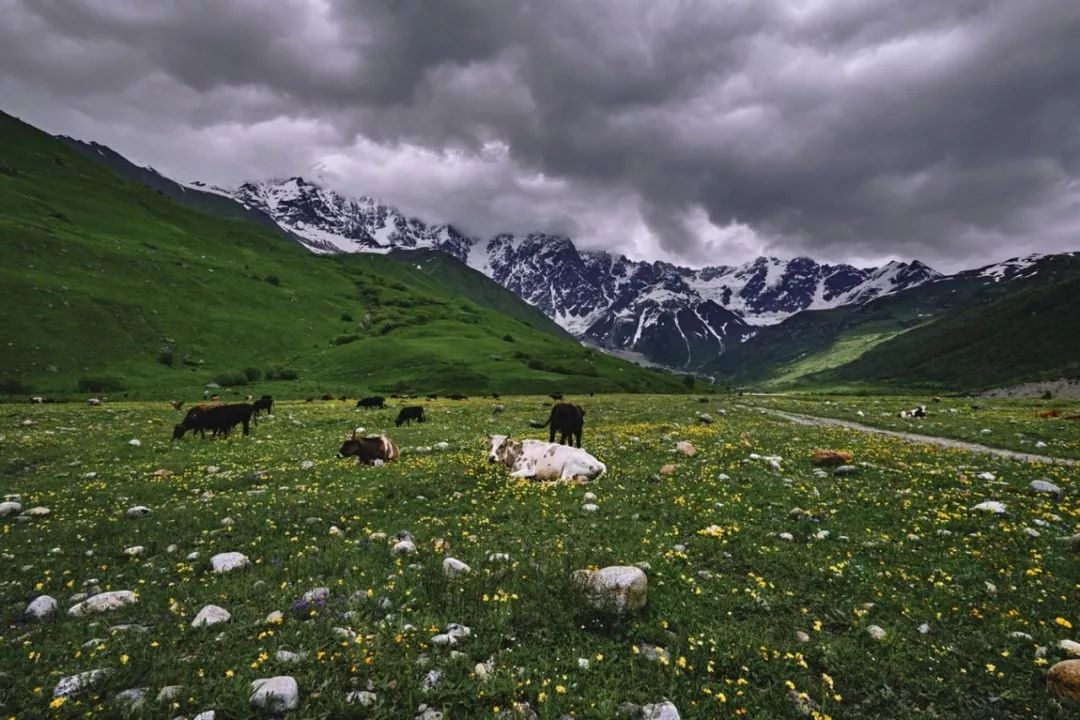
{"x": 1029, "y": 334}
{"x": 110, "y": 286}
{"x": 964, "y": 332}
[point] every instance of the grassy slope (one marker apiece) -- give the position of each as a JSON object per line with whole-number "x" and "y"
{"x": 918, "y": 338}
{"x": 477, "y": 287}
{"x": 100, "y": 275}
{"x": 1026, "y": 335}
{"x": 726, "y": 603}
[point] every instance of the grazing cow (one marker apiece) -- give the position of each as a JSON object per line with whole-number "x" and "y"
{"x": 458, "y": 396}
{"x": 1049, "y": 413}
{"x": 219, "y": 418}
{"x": 327, "y": 396}
{"x": 498, "y": 409}
{"x": 567, "y": 420}
{"x": 432, "y": 397}
{"x": 556, "y": 396}
{"x": 371, "y": 450}
{"x": 495, "y": 396}
{"x": 543, "y": 460}
{"x": 408, "y": 414}
{"x": 266, "y": 402}
{"x": 375, "y": 401}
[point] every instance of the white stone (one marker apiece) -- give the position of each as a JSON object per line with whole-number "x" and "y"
{"x": 990, "y": 506}
{"x": 38, "y": 512}
{"x": 361, "y": 697}
{"x": 206, "y": 715}
{"x": 307, "y": 465}
{"x": 988, "y": 476}
{"x": 876, "y": 632}
{"x": 786, "y": 536}
{"x": 498, "y": 558}
{"x": 103, "y": 602}
{"x": 137, "y": 511}
{"x": 275, "y": 618}
{"x": 10, "y": 508}
{"x": 924, "y": 629}
{"x": 277, "y": 694}
{"x": 621, "y": 588}
{"x": 134, "y": 550}
{"x": 133, "y": 699}
{"x": 170, "y": 693}
{"x": 452, "y": 567}
{"x": 229, "y": 561}
{"x": 74, "y": 684}
{"x": 660, "y": 711}
{"x": 404, "y": 547}
{"x": 41, "y": 607}
{"x": 134, "y": 442}
{"x": 685, "y": 448}
{"x": 590, "y": 497}
{"x": 289, "y": 657}
{"x": 1045, "y": 486}
{"x": 1070, "y": 646}
{"x": 211, "y": 615}
{"x": 590, "y": 507}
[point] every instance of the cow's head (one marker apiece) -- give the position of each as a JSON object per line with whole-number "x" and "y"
{"x": 350, "y": 447}
{"x": 178, "y": 431}
{"x": 503, "y": 450}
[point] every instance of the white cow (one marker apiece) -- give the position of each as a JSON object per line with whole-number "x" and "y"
{"x": 543, "y": 460}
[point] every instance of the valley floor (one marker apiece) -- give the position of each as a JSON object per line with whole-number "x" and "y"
{"x": 775, "y": 589}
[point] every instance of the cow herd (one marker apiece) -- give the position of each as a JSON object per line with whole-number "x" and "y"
{"x": 525, "y": 458}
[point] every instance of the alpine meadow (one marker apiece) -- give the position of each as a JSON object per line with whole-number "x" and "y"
{"x": 540, "y": 361}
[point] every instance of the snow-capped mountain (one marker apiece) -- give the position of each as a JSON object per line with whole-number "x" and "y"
{"x": 670, "y": 315}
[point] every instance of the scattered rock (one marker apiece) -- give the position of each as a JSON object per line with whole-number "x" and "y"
{"x": 75, "y": 684}
{"x": 134, "y": 551}
{"x": 134, "y": 442}
{"x": 660, "y": 711}
{"x": 1045, "y": 487}
{"x": 668, "y": 469}
{"x": 288, "y": 657}
{"x": 924, "y": 629}
{"x": 590, "y": 507}
{"x": 705, "y": 419}
{"x": 41, "y": 607}
{"x": 990, "y": 506}
{"x": 404, "y": 547}
{"x": 229, "y": 561}
{"x": 452, "y": 567}
{"x": 876, "y": 632}
{"x": 103, "y": 602}
{"x": 432, "y": 679}
{"x": 10, "y": 508}
{"x": 276, "y": 695}
{"x": 211, "y": 615}
{"x": 844, "y": 470}
{"x": 452, "y": 634}
{"x": 38, "y": 512}
{"x": 621, "y": 588}
{"x": 802, "y": 637}
{"x": 169, "y": 693}
{"x": 138, "y": 511}
{"x": 1070, "y": 646}
{"x": 133, "y": 699}
{"x": 686, "y": 449}
{"x": 307, "y": 465}
{"x": 362, "y": 698}
{"x": 1064, "y": 680}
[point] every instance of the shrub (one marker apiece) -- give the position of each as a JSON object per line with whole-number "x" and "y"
{"x": 273, "y": 280}
{"x": 231, "y": 379}
{"x": 508, "y": 338}
{"x": 346, "y": 317}
{"x": 252, "y": 373}
{"x": 345, "y": 339}
{"x": 279, "y": 372}
{"x": 11, "y": 386}
{"x": 535, "y": 364}
{"x": 166, "y": 357}
{"x": 100, "y": 383}
{"x": 688, "y": 381}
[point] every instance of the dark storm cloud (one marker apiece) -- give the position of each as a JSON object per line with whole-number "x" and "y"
{"x": 695, "y": 131}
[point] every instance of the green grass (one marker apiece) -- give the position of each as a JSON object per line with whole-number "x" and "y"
{"x": 1008, "y": 424}
{"x": 845, "y": 349}
{"x": 104, "y": 279}
{"x": 726, "y": 604}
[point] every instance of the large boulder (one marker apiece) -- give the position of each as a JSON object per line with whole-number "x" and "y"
{"x": 622, "y": 589}
{"x": 41, "y": 607}
{"x": 229, "y": 561}
{"x": 103, "y": 602}
{"x": 1064, "y": 680}
{"x": 275, "y": 695}
{"x": 211, "y": 615}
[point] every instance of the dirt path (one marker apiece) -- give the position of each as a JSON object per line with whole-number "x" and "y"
{"x": 912, "y": 437}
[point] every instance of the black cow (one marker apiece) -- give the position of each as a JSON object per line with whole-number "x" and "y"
{"x": 458, "y": 396}
{"x": 220, "y": 419}
{"x": 556, "y": 396}
{"x": 566, "y": 419}
{"x": 266, "y": 403}
{"x": 408, "y": 414}
{"x": 375, "y": 401}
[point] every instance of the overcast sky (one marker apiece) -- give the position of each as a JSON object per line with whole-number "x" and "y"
{"x": 696, "y": 132}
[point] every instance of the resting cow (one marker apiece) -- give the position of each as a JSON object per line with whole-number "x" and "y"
{"x": 567, "y": 420}
{"x": 375, "y": 401}
{"x": 371, "y": 450}
{"x": 220, "y": 419}
{"x": 543, "y": 460}
{"x": 408, "y": 414}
